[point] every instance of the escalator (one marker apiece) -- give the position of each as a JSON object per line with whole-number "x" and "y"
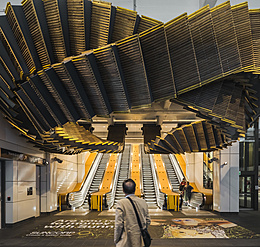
{"x": 97, "y": 178}
{"x": 123, "y": 173}
{"x": 148, "y": 183}
{"x": 171, "y": 172}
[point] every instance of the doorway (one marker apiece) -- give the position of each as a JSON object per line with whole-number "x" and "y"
{"x": 2, "y": 194}
{"x": 246, "y": 184}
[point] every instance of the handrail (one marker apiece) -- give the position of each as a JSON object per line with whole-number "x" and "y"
{"x": 110, "y": 196}
{"x": 171, "y": 198}
{"x": 135, "y": 169}
{"x": 167, "y": 175}
{"x": 77, "y": 198}
{"x": 176, "y": 167}
{"x": 98, "y": 199}
{"x": 141, "y": 171}
{"x": 160, "y": 196}
{"x": 197, "y": 199}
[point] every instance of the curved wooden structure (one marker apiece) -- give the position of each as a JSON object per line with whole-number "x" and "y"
{"x": 65, "y": 61}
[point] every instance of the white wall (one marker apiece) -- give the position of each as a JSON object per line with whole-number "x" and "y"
{"x": 67, "y": 173}
{"x": 226, "y": 180}
{"x": 194, "y": 170}
{"x": 190, "y": 166}
{"x": 20, "y": 176}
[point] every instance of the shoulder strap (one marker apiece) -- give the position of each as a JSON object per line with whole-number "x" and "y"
{"x": 136, "y": 213}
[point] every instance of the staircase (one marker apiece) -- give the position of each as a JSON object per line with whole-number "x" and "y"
{"x": 148, "y": 184}
{"x": 98, "y": 178}
{"x": 123, "y": 174}
{"x": 171, "y": 172}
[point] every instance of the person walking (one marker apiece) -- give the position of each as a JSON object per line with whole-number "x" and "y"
{"x": 181, "y": 189}
{"x": 127, "y": 231}
{"x": 188, "y": 190}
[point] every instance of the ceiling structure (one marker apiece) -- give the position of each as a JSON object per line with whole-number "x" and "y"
{"x": 70, "y": 69}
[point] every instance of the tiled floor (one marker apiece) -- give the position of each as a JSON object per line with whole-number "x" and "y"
{"x": 16, "y": 235}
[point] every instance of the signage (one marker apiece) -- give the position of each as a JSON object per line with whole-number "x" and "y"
{"x": 12, "y": 155}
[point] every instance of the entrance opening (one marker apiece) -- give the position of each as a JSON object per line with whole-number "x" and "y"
{"x": 246, "y": 191}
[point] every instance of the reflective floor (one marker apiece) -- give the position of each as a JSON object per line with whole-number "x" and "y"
{"x": 189, "y": 227}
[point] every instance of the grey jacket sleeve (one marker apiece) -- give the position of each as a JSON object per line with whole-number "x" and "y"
{"x": 119, "y": 223}
{"x": 148, "y": 219}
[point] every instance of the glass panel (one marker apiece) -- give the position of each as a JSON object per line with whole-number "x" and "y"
{"x": 250, "y": 156}
{"x": 245, "y": 192}
{"x": 208, "y": 170}
{"x": 246, "y": 156}
{"x": 242, "y": 156}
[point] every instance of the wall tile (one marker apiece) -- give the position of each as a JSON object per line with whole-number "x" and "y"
{"x": 26, "y": 209}
{"x": 22, "y": 190}
{"x": 26, "y": 171}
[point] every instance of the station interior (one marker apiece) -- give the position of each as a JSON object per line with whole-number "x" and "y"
{"x": 93, "y": 93}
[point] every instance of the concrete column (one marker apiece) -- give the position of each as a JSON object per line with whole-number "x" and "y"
{"x": 49, "y": 186}
{"x": 226, "y": 180}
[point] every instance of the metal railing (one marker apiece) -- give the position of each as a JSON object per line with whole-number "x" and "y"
{"x": 175, "y": 164}
{"x": 77, "y": 198}
{"x": 160, "y": 196}
{"x": 197, "y": 200}
{"x": 110, "y": 196}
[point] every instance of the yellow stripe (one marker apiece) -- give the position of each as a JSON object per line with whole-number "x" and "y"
{"x": 184, "y": 15}
{"x": 244, "y": 4}
{"x": 227, "y": 3}
{"x": 150, "y": 30}
{"x": 198, "y": 12}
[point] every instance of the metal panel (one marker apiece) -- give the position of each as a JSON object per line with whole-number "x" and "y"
{"x": 131, "y": 59}
{"x": 145, "y": 23}
{"x": 77, "y": 90}
{"x": 205, "y": 46}
{"x": 48, "y": 100}
{"x": 76, "y": 26}
{"x": 244, "y": 35}
{"x": 254, "y": 15}
{"x": 90, "y": 78}
{"x": 36, "y": 32}
{"x": 157, "y": 63}
{"x": 32, "y": 112}
{"x": 183, "y": 60}
{"x": 100, "y": 24}
{"x": 112, "y": 78}
{"x": 34, "y": 97}
{"x": 191, "y": 138}
{"x": 55, "y": 29}
{"x": 15, "y": 17}
{"x": 9, "y": 42}
{"x": 226, "y": 38}
{"x": 7, "y": 69}
{"x": 124, "y": 24}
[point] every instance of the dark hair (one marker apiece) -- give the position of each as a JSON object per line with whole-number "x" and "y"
{"x": 129, "y": 186}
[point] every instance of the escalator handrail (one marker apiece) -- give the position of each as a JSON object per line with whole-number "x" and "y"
{"x": 176, "y": 166}
{"x": 86, "y": 185}
{"x": 167, "y": 175}
{"x": 110, "y": 196}
{"x": 203, "y": 198}
{"x": 141, "y": 171}
{"x": 160, "y": 196}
